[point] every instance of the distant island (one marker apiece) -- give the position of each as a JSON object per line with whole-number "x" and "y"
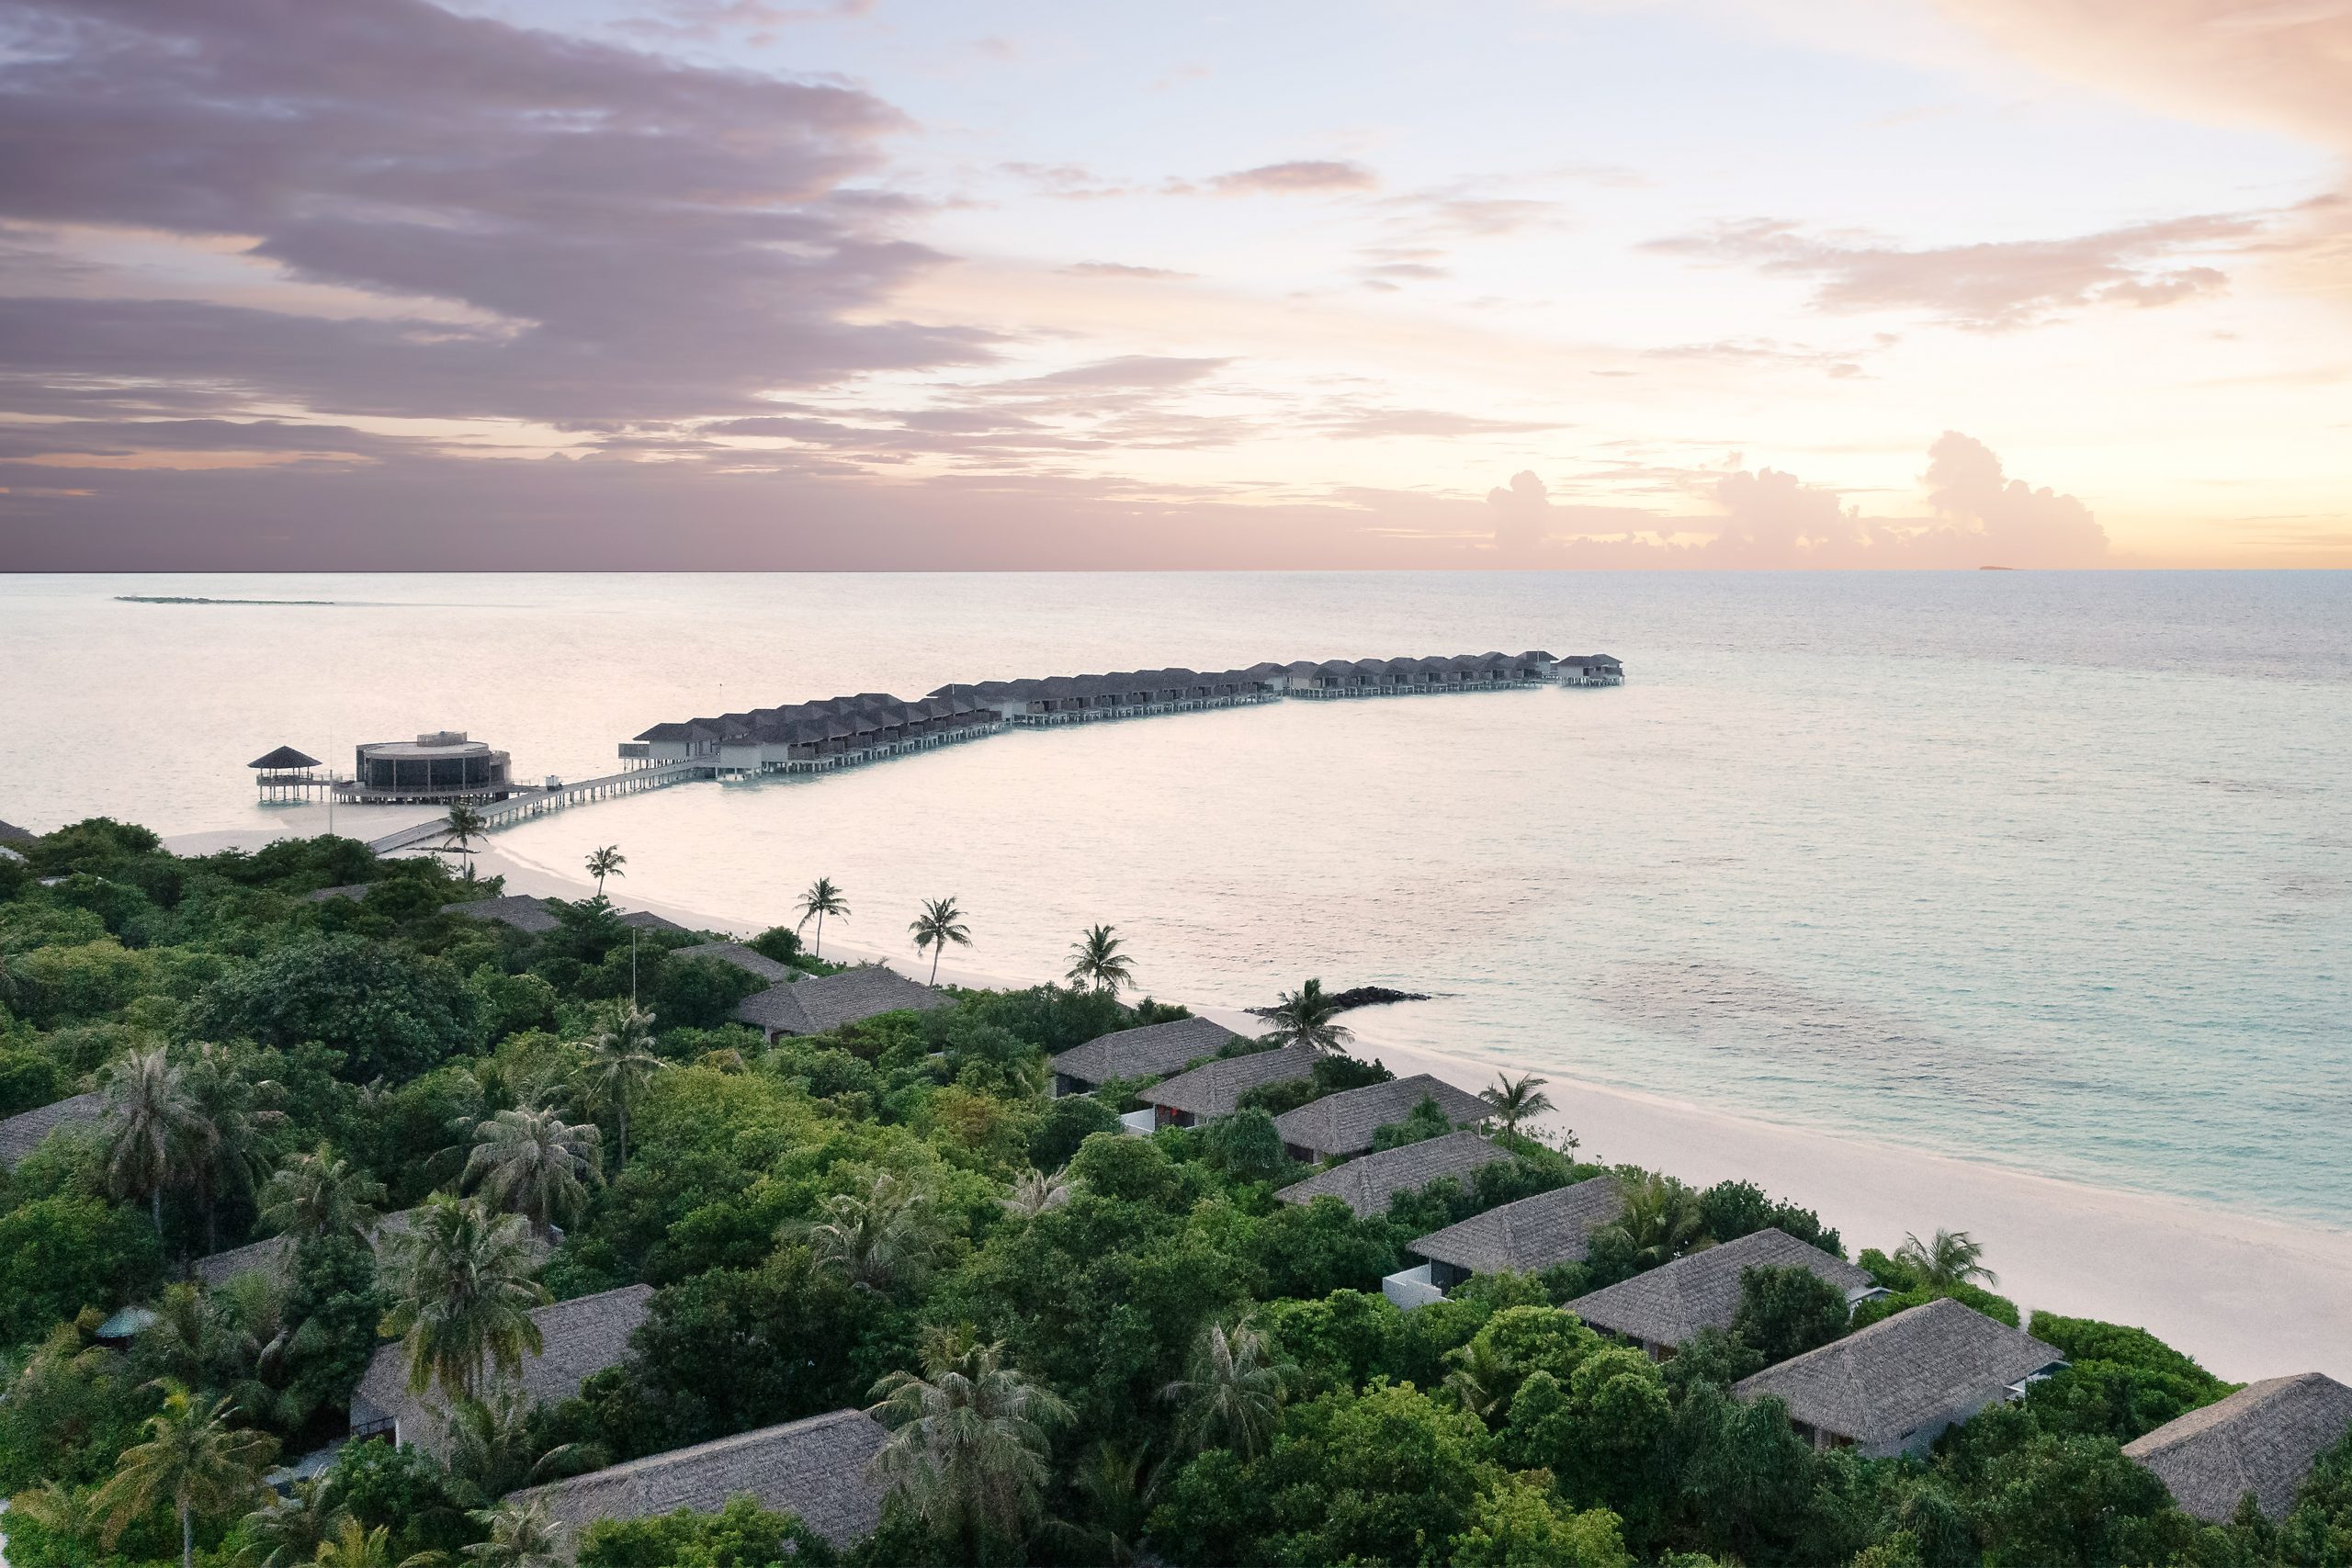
{"x": 184, "y": 599}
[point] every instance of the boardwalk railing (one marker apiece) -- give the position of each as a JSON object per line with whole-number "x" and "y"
{"x": 525, "y": 804}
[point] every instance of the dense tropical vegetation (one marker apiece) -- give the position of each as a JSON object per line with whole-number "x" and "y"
{"x": 1087, "y": 1348}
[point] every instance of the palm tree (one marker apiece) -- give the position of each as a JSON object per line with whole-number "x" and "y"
{"x": 289, "y": 1531}
{"x": 822, "y": 900}
{"x": 530, "y": 1161}
{"x": 460, "y": 1278}
{"x": 878, "y": 1237}
{"x": 1304, "y": 1017}
{"x": 354, "y": 1545}
{"x": 66, "y": 1512}
{"x": 462, "y": 828}
{"x": 522, "y": 1535}
{"x": 157, "y": 1132}
{"x": 606, "y": 861}
{"x": 1517, "y": 1099}
{"x": 1479, "y": 1377}
{"x": 234, "y": 1105}
{"x": 620, "y": 1064}
{"x": 1120, "y": 1492}
{"x": 1954, "y": 1257}
{"x": 318, "y": 1195}
{"x": 193, "y": 1460}
{"x": 1033, "y": 1192}
{"x": 940, "y": 923}
{"x": 968, "y": 1445}
{"x": 1233, "y": 1391}
{"x": 1096, "y": 962}
{"x": 1662, "y": 1216}
{"x": 492, "y": 1451}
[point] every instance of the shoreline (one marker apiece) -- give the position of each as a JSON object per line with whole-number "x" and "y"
{"x": 2248, "y": 1297}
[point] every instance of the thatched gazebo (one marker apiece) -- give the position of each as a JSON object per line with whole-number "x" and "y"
{"x": 285, "y": 773}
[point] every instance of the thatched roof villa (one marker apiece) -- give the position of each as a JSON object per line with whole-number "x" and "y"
{"x": 749, "y": 960}
{"x": 1343, "y": 1124}
{"x": 2261, "y": 1439}
{"x": 1533, "y": 1234}
{"x": 814, "y": 1468}
{"x": 818, "y": 1002}
{"x": 1367, "y": 1184}
{"x": 22, "y": 1133}
{"x": 1150, "y": 1050}
{"x": 580, "y": 1338}
{"x": 1893, "y": 1388}
{"x": 1663, "y": 1308}
{"x": 1214, "y": 1088}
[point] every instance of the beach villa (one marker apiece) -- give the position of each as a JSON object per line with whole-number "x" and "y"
{"x": 1341, "y": 1124}
{"x": 1366, "y": 1185}
{"x": 1214, "y": 1088}
{"x": 814, "y": 1469}
{"x": 1524, "y": 1238}
{"x": 748, "y": 959}
{"x": 820, "y": 1003}
{"x": 2260, "y": 1440}
{"x": 22, "y": 1133}
{"x": 1660, "y": 1310}
{"x": 578, "y": 1339}
{"x": 533, "y": 917}
{"x": 1152, "y": 1051}
{"x": 1893, "y": 1388}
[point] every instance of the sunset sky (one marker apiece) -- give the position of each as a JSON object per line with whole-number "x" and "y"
{"x": 726, "y": 282}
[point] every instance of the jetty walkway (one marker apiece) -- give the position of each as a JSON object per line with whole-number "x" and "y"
{"x": 847, "y": 732}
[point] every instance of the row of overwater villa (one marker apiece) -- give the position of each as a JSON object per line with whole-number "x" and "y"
{"x": 843, "y": 731}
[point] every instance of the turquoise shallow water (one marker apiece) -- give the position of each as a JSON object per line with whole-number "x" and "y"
{"x": 2051, "y": 870}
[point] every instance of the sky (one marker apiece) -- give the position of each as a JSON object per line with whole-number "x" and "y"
{"x": 879, "y": 285}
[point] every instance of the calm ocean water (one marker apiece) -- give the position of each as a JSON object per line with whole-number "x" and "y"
{"x": 2051, "y": 870}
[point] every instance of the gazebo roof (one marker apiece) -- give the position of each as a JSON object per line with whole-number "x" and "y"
{"x": 284, "y": 757}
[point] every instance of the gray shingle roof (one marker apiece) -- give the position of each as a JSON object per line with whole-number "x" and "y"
{"x": 22, "y": 1133}
{"x": 749, "y": 960}
{"x": 271, "y": 1250}
{"x": 1343, "y": 1124}
{"x": 2261, "y": 1439}
{"x": 581, "y": 1337}
{"x": 525, "y": 914}
{"x": 1368, "y": 1183}
{"x": 1903, "y": 1379}
{"x": 12, "y": 834}
{"x": 647, "y": 921}
{"x": 820, "y": 1002}
{"x": 1148, "y": 1052}
{"x": 1534, "y": 1233}
{"x": 1214, "y": 1088}
{"x": 347, "y": 890}
{"x": 1673, "y": 1301}
{"x": 815, "y": 1468}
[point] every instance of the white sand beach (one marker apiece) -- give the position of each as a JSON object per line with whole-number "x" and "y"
{"x": 2249, "y": 1297}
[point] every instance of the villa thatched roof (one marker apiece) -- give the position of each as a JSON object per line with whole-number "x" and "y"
{"x": 1534, "y": 1233}
{"x": 1344, "y": 1123}
{"x": 1367, "y": 1184}
{"x": 820, "y": 1002}
{"x": 1214, "y": 1088}
{"x": 815, "y": 1468}
{"x": 522, "y": 912}
{"x": 22, "y": 1133}
{"x": 1671, "y": 1302}
{"x": 1898, "y": 1383}
{"x": 2261, "y": 1439}
{"x": 12, "y": 834}
{"x": 748, "y": 959}
{"x": 578, "y": 1338}
{"x": 283, "y": 757}
{"x": 1146, "y": 1051}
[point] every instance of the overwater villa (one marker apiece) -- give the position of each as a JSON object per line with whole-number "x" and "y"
{"x": 2260, "y": 1441}
{"x": 1524, "y": 1238}
{"x": 1214, "y": 1088}
{"x": 1366, "y": 1185}
{"x": 1894, "y": 1387}
{"x": 578, "y": 1339}
{"x": 1341, "y": 1124}
{"x": 816, "y": 1469}
{"x": 1149, "y": 1052}
{"x": 1662, "y": 1309}
{"x": 839, "y": 732}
